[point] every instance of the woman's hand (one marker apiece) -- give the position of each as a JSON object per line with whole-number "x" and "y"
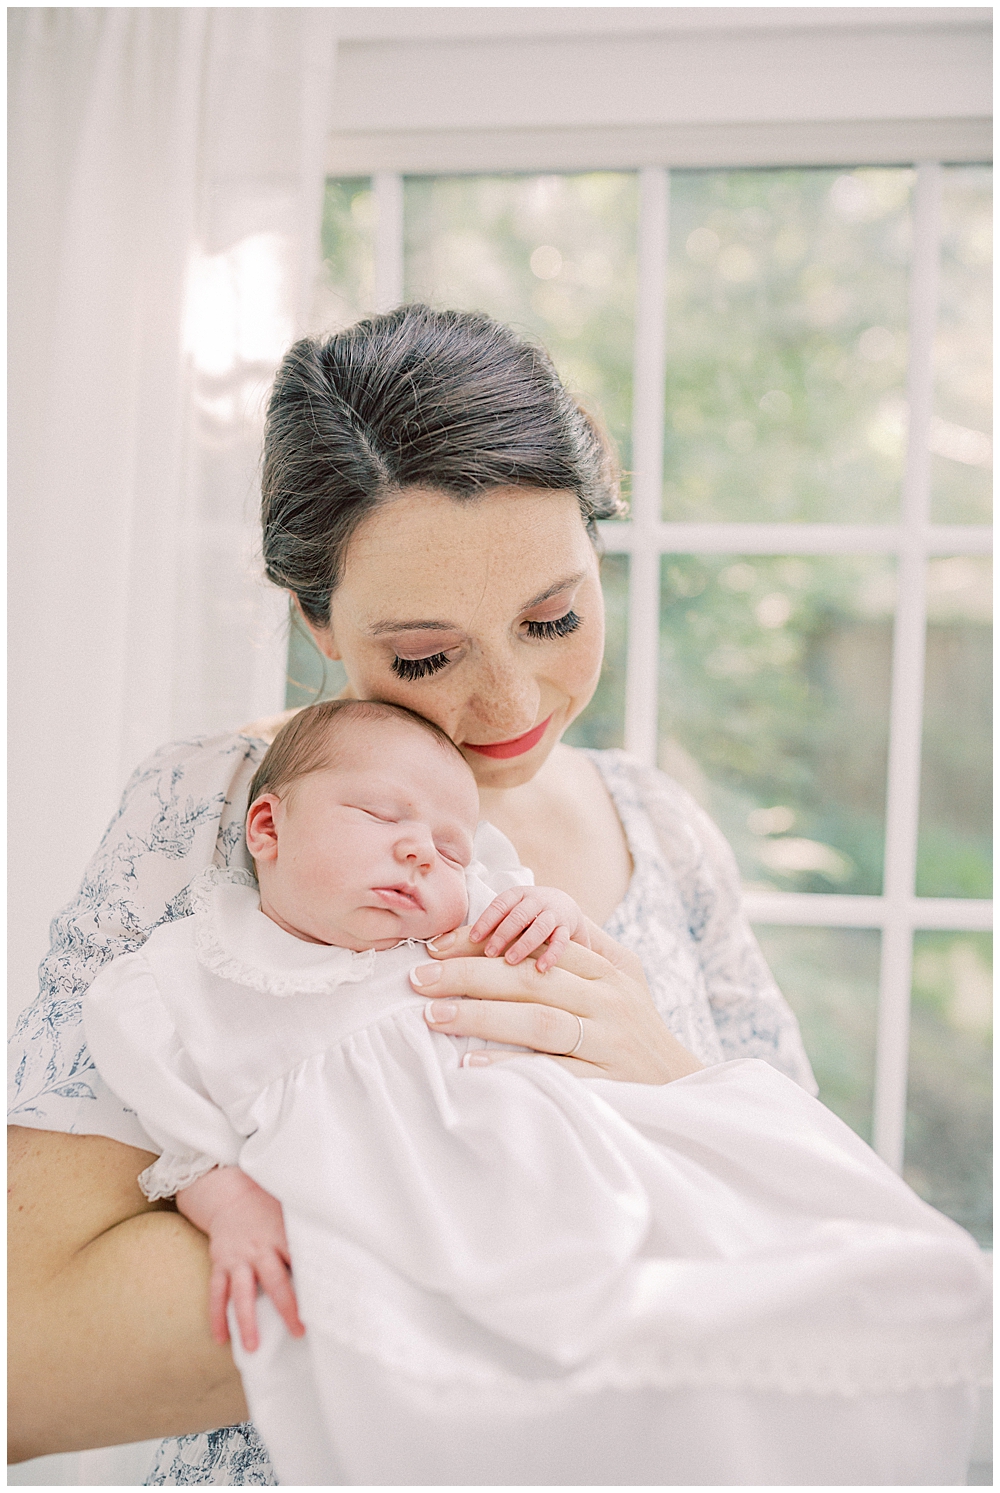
{"x": 595, "y": 1001}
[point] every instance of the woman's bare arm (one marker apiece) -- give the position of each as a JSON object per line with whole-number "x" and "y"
{"x": 108, "y": 1304}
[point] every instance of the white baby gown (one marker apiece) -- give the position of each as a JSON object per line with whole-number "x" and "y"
{"x": 510, "y": 1275}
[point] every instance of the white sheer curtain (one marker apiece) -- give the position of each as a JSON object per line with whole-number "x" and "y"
{"x": 165, "y": 200}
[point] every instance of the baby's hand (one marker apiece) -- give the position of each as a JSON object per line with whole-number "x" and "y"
{"x": 247, "y": 1245}
{"x": 526, "y": 917}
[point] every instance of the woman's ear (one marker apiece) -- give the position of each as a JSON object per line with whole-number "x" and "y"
{"x": 262, "y": 830}
{"x": 322, "y": 636}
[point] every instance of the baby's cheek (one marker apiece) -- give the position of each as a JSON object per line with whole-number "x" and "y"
{"x": 457, "y": 904}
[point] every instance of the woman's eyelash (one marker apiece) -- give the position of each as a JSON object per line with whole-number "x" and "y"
{"x": 568, "y": 623}
{"x": 418, "y": 668}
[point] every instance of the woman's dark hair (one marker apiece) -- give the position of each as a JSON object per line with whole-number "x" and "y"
{"x": 450, "y": 400}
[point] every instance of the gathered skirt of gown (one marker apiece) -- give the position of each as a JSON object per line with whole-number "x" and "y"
{"x": 510, "y": 1276}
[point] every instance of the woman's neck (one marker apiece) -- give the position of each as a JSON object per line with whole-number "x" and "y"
{"x": 566, "y": 830}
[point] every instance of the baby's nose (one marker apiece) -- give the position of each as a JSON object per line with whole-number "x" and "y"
{"x": 416, "y": 847}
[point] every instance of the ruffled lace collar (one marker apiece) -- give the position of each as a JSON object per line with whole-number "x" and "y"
{"x": 238, "y": 942}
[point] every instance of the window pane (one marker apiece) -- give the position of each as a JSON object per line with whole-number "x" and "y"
{"x": 602, "y": 724}
{"x": 787, "y": 345}
{"x": 553, "y": 256}
{"x": 829, "y": 976}
{"x": 954, "y": 852}
{"x": 948, "y": 1126}
{"x": 962, "y": 455}
{"x": 346, "y": 286}
{"x": 774, "y": 689}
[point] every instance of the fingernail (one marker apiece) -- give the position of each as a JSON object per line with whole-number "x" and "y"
{"x": 475, "y": 1060}
{"x": 444, "y": 942}
{"x": 425, "y": 974}
{"x": 438, "y": 1011}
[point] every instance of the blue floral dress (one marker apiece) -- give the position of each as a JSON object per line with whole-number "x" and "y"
{"x": 183, "y": 810}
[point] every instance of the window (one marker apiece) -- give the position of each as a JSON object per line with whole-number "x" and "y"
{"x": 794, "y": 365}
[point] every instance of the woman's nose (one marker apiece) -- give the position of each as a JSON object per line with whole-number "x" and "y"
{"x": 505, "y": 699}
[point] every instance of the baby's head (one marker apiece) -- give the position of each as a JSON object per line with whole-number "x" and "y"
{"x": 360, "y": 824}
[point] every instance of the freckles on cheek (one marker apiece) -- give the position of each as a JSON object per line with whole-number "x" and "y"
{"x": 585, "y": 669}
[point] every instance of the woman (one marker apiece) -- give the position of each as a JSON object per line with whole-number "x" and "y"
{"x": 430, "y": 494}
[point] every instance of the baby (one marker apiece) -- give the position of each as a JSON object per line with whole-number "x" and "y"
{"x": 507, "y": 1274}
{"x": 362, "y": 839}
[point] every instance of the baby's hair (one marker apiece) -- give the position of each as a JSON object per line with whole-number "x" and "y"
{"x": 305, "y": 744}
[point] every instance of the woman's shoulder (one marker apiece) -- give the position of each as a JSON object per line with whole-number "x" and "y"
{"x": 182, "y": 810}
{"x": 662, "y": 796}
{"x": 687, "y": 835}
{"x": 188, "y": 782}
{"x": 266, "y": 727}
{"x": 200, "y": 754}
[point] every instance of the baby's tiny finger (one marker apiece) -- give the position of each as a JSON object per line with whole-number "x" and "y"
{"x": 218, "y": 1298}
{"x": 495, "y": 913}
{"x": 550, "y": 954}
{"x": 244, "y": 1299}
{"x": 486, "y": 923}
{"x": 533, "y": 937}
{"x": 277, "y": 1283}
{"x": 522, "y": 917}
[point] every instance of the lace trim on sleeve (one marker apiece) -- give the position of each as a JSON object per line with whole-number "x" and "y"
{"x": 171, "y": 1174}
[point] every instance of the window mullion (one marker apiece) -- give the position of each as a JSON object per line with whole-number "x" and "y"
{"x": 906, "y": 704}
{"x": 649, "y": 368}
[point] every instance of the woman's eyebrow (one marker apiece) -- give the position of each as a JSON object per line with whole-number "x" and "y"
{"x": 389, "y": 625}
{"x": 563, "y": 585}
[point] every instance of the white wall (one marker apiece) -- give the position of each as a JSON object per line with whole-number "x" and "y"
{"x": 498, "y": 88}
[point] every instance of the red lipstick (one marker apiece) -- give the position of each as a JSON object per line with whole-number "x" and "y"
{"x": 513, "y": 748}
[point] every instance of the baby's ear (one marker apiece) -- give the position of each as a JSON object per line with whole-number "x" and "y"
{"x": 262, "y": 830}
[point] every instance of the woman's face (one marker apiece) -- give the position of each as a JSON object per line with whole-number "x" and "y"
{"x": 486, "y": 616}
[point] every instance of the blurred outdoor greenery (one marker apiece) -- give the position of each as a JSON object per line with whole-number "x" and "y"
{"x": 774, "y": 695}
{"x": 785, "y": 400}
{"x": 829, "y": 976}
{"x": 347, "y": 284}
{"x": 786, "y": 345}
{"x": 954, "y": 847}
{"x": 948, "y": 1157}
{"x": 552, "y": 256}
{"x": 961, "y": 464}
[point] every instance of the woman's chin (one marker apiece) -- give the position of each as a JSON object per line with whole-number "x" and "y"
{"x": 491, "y": 773}
{"x": 499, "y": 773}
